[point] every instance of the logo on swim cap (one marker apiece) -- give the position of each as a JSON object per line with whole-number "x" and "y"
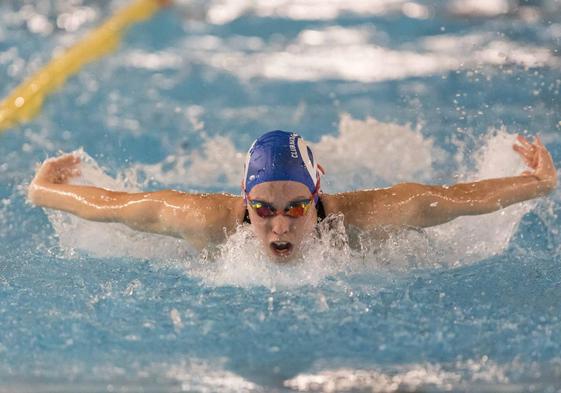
{"x": 291, "y": 140}
{"x": 280, "y": 155}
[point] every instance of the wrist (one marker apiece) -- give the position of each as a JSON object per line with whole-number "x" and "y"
{"x": 549, "y": 184}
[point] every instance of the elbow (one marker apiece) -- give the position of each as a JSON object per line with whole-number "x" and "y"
{"x": 34, "y": 194}
{"x": 31, "y": 194}
{"x": 434, "y": 209}
{"x": 428, "y": 216}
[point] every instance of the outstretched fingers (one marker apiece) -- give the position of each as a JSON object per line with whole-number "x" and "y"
{"x": 531, "y": 153}
{"x": 526, "y": 151}
{"x": 523, "y": 141}
{"x": 538, "y": 159}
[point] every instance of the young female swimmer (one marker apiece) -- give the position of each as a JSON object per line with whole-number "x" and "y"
{"x": 282, "y": 198}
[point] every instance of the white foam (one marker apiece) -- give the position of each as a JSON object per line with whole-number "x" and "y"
{"x": 366, "y": 153}
{"x": 241, "y": 261}
{"x": 216, "y": 162}
{"x": 409, "y": 378}
{"x": 203, "y": 376}
{"x": 345, "y": 380}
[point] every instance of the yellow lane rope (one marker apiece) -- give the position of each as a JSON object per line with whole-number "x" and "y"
{"x": 25, "y": 101}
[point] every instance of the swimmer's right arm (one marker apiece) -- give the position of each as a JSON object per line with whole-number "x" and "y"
{"x": 198, "y": 218}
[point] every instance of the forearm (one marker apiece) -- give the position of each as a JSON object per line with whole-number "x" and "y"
{"x": 494, "y": 194}
{"x": 441, "y": 204}
{"x": 91, "y": 203}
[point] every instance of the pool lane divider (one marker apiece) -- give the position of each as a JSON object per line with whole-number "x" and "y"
{"x": 26, "y": 100}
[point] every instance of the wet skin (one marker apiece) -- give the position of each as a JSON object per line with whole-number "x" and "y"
{"x": 274, "y": 232}
{"x": 206, "y": 219}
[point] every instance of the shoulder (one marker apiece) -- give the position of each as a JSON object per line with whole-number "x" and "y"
{"x": 370, "y": 208}
{"x": 180, "y": 197}
{"x": 222, "y": 213}
{"x": 228, "y": 207}
{"x": 345, "y": 202}
{"x": 209, "y": 215}
{"x": 220, "y": 206}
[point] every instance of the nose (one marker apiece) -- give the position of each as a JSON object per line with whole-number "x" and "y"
{"x": 280, "y": 225}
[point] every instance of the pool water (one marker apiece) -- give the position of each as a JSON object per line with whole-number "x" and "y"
{"x": 385, "y": 92}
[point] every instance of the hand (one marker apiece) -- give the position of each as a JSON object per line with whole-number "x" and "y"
{"x": 536, "y": 156}
{"x": 58, "y": 170}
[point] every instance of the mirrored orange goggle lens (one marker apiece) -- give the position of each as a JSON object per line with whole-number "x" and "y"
{"x": 295, "y": 211}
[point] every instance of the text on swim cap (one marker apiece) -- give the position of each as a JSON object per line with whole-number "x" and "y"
{"x": 292, "y": 145}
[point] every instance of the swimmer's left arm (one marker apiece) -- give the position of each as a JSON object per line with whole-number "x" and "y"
{"x": 425, "y": 205}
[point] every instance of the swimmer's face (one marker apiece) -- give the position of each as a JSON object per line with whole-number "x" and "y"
{"x": 281, "y": 235}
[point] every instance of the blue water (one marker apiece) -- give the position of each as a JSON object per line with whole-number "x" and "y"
{"x": 428, "y": 92}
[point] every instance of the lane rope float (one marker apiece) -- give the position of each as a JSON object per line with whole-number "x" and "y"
{"x": 25, "y": 101}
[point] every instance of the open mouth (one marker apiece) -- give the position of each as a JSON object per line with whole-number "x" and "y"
{"x": 281, "y": 248}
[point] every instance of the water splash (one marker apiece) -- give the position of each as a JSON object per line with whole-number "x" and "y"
{"x": 368, "y": 152}
{"x": 469, "y": 239}
{"x": 402, "y": 153}
{"x": 241, "y": 261}
{"x": 110, "y": 239}
{"x": 216, "y": 161}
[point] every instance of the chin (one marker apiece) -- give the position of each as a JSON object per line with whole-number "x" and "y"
{"x": 287, "y": 258}
{"x": 282, "y": 259}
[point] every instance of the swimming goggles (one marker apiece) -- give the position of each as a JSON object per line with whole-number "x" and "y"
{"x": 294, "y": 209}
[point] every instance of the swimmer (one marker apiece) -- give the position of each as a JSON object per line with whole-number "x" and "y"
{"x": 282, "y": 198}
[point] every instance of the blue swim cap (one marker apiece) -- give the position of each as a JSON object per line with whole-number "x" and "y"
{"x": 280, "y": 155}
